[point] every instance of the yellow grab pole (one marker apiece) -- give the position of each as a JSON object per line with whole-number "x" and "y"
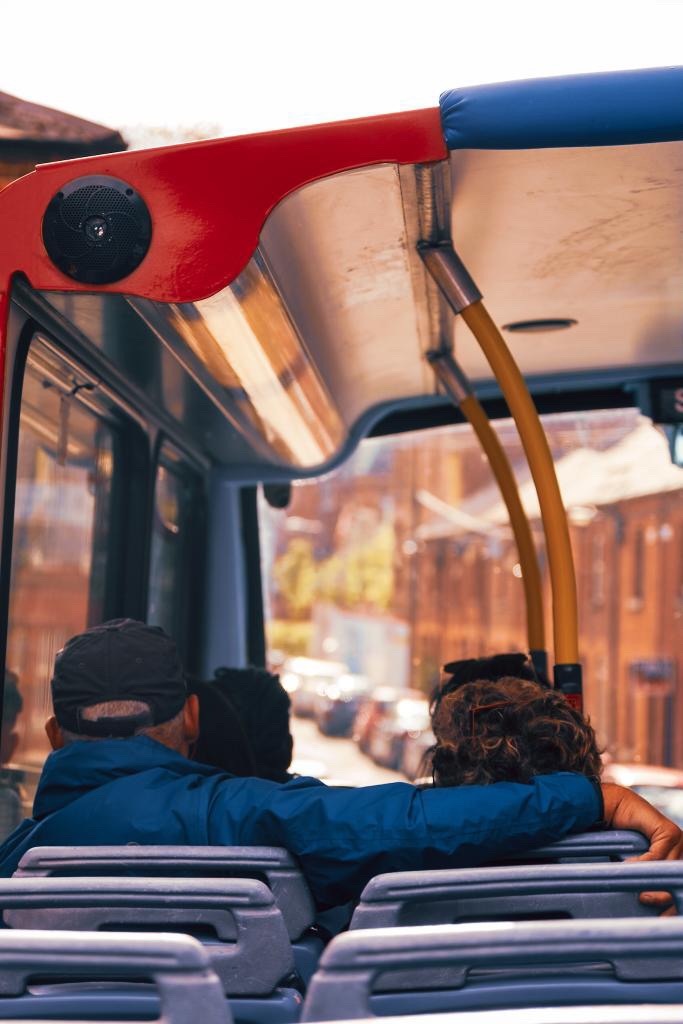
{"x": 458, "y": 388}
{"x": 528, "y": 560}
{"x": 560, "y": 561}
{"x": 464, "y": 298}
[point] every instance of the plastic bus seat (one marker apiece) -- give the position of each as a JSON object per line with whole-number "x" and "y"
{"x": 392, "y": 971}
{"x": 273, "y": 866}
{"x": 186, "y": 987}
{"x": 520, "y": 892}
{"x": 236, "y": 918}
{"x": 612, "y": 845}
{"x": 641, "y": 1013}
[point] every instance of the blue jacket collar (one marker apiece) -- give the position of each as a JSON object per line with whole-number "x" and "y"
{"x": 80, "y": 767}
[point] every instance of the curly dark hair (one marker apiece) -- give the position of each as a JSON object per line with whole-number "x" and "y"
{"x": 508, "y": 731}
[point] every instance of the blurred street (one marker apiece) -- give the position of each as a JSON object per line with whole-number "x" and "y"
{"x": 334, "y": 759}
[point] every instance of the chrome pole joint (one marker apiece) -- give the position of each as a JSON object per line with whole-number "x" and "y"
{"x": 452, "y": 379}
{"x": 451, "y": 275}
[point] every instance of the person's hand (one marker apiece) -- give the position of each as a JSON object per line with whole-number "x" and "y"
{"x": 626, "y": 810}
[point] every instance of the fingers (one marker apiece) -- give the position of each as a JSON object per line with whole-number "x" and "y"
{"x": 666, "y": 842}
{"x": 656, "y": 899}
{"x": 662, "y": 901}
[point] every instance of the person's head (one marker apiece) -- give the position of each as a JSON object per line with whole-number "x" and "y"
{"x": 119, "y": 680}
{"x": 12, "y": 703}
{"x": 508, "y": 731}
{"x": 497, "y": 666}
{"x": 244, "y": 723}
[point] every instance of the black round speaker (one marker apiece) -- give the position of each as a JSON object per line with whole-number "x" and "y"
{"x": 97, "y": 229}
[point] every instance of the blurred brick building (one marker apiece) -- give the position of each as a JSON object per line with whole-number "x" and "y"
{"x": 625, "y": 508}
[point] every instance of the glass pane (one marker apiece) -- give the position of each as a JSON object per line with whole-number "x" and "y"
{"x": 403, "y": 559}
{"x": 62, "y": 509}
{"x": 168, "y": 600}
{"x": 246, "y": 340}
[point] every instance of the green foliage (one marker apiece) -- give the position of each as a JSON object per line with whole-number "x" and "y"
{"x": 292, "y": 638}
{"x": 360, "y": 576}
{"x": 295, "y": 573}
{"x": 367, "y": 577}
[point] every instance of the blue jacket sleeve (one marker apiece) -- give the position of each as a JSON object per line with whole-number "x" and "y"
{"x": 343, "y": 837}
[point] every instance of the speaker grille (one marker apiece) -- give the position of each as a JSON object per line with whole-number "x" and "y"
{"x": 97, "y": 229}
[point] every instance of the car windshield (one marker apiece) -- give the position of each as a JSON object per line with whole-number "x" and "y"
{"x": 668, "y": 799}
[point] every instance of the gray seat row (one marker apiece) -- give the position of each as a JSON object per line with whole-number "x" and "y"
{"x": 184, "y": 988}
{"x": 640, "y": 1013}
{"x": 272, "y": 866}
{"x": 447, "y": 968}
{"x": 248, "y": 923}
{"x": 237, "y": 920}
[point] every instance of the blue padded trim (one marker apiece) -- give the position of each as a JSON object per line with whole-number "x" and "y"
{"x": 613, "y": 108}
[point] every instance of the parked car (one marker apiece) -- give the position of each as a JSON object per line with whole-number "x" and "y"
{"x": 337, "y": 706}
{"x": 370, "y": 713}
{"x": 663, "y": 787}
{"x": 409, "y": 716}
{"x": 305, "y": 678}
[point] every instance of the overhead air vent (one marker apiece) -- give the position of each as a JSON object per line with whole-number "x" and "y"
{"x": 538, "y": 326}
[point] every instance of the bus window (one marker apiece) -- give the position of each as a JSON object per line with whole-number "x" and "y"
{"x": 62, "y": 522}
{"x": 402, "y": 560}
{"x": 175, "y": 529}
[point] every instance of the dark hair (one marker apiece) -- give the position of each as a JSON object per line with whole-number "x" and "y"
{"x": 508, "y": 731}
{"x": 498, "y": 666}
{"x": 244, "y": 723}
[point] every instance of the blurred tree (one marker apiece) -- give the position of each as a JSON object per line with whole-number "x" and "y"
{"x": 295, "y": 574}
{"x": 368, "y": 577}
{"x": 360, "y": 576}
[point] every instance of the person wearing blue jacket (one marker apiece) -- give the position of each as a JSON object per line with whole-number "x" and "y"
{"x": 120, "y": 773}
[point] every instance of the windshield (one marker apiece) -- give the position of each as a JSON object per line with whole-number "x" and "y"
{"x": 403, "y": 560}
{"x": 667, "y": 799}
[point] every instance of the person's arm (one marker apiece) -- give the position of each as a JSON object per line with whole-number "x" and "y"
{"x": 343, "y": 837}
{"x": 625, "y": 809}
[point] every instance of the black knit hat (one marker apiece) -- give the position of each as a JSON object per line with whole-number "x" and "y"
{"x": 121, "y": 660}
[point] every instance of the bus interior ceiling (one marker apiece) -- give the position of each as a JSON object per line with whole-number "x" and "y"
{"x": 587, "y": 236}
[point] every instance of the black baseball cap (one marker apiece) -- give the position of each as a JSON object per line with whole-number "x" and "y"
{"x": 119, "y": 660}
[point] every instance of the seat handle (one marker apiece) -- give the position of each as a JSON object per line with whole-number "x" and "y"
{"x": 254, "y": 953}
{"x": 386, "y": 897}
{"x": 177, "y": 964}
{"x": 647, "y": 949}
{"x": 272, "y": 863}
{"x": 617, "y": 844}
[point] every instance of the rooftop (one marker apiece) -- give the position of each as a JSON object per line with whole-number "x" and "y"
{"x": 30, "y": 124}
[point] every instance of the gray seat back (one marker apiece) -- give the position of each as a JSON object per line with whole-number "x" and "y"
{"x": 177, "y": 964}
{"x": 642, "y": 1013}
{"x": 269, "y": 864}
{"x": 585, "y": 890}
{"x": 613, "y": 845}
{"x": 249, "y": 947}
{"x": 637, "y": 951}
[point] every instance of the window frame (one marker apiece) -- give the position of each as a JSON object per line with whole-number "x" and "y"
{"x": 125, "y": 546}
{"x": 188, "y": 616}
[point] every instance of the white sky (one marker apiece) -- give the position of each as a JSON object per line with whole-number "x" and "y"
{"x": 255, "y": 65}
